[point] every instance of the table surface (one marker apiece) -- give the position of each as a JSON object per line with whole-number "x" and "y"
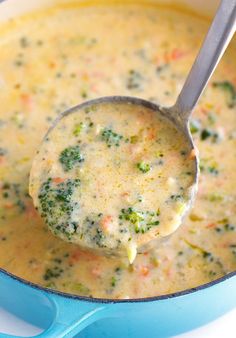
{"x": 223, "y": 327}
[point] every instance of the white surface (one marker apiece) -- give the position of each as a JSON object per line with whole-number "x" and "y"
{"x": 223, "y": 327}
{"x": 12, "y": 325}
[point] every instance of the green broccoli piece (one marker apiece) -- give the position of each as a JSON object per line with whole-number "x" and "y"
{"x": 111, "y": 138}
{"x": 143, "y": 167}
{"x": 78, "y": 128}
{"x": 142, "y": 220}
{"x": 56, "y": 205}
{"x": 195, "y": 126}
{"x": 228, "y": 88}
{"x": 52, "y": 273}
{"x": 70, "y": 157}
{"x": 134, "y": 80}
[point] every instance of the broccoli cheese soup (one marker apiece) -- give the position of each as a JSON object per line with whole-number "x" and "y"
{"x": 113, "y": 176}
{"x": 47, "y": 66}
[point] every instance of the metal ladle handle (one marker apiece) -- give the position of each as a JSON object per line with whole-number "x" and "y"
{"x": 218, "y": 37}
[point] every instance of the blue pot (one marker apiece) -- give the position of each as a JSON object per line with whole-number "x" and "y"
{"x": 63, "y": 315}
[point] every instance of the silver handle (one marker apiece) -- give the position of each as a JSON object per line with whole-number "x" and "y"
{"x": 213, "y": 47}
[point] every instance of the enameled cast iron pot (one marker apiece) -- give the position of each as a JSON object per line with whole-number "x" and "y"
{"x": 62, "y": 315}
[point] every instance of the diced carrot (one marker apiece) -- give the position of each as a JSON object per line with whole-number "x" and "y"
{"x": 177, "y": 54}
{"x": 144, "y": 270}
{"x": 169, "y": 272}
{"x": 9, "y": 205}
{"x": 83, "y": 254}
{"x": 193, "y": 154}
{"x": 204, "y": 110}
{"x": 211, "y": 225}
{"x": 75, "y": 256}
{"x": 125, "y": 194}
{"x": 2, "y": 159}
{"x": 58, "y": 180}
{"x": 52, "y": 64}
{"x": 31, "y": 211}
{"x": 174, "y": 55}
{"x": 94, "y": 88}
{"x": 151, "y": 135}
{"x": 106, "y": 223}
{"x": 96, "y": 271}
{"x": 25, "y": 98}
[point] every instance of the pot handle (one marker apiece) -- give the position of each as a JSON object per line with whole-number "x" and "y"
{"x": 70, "y": 316}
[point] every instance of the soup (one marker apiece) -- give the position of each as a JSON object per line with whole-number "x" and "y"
{"x": 47, "y": 66}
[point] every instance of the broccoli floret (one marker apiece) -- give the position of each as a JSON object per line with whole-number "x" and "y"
{"x": 212, "y": 135}
{"x": 228, "y": 88}
{"x": 15, "y": 193}
{"x": 56, "y": 205}
{"x": 111, "y": 138}
{"x": 78, "y": 128}
{"x": 134, "y": 80}
{"x": 205, "y": 134}
{"x": 80, "y": 288}
{"x": 195, "y": 126}
{"x": 52, "y": 273}
{"x": 144, "y": 167}
{"x": 142, "y": 220}
{"x": 92, "y": 230}
{"x": 70, "y": 157}
{"x": 3, "y": 151}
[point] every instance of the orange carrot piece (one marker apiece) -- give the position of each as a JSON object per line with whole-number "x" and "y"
{"x": 125, "y": 194}
{"x": 82, "y": 254}
{"x": 52, "y": 64}
{"x": 193, "y": 154}
{"x": 58, "y": 180}
{"x": 9, "y": 205}
{"x": 106, "y": 222}
{"x": 2, "y": 159}
{"x": 211, "y": 225}
{"x": 31, "y": 212}
{"x": 177, "y": 54}
{"x": 96, "y": 271}
{"x": 26, "y": 100}
{"x": 144, "y": 270}
{"x": 151, "y": 135}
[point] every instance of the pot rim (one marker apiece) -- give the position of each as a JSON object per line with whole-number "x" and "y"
{"x": 110, "y": 300}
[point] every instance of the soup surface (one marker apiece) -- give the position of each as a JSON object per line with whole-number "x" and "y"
{"x": 112, "y": 177}
{"x": 47, "y": 66}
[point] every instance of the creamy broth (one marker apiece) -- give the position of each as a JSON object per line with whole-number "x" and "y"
{"x": 113, "y": 177}
{"x": 47, "y": 66}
